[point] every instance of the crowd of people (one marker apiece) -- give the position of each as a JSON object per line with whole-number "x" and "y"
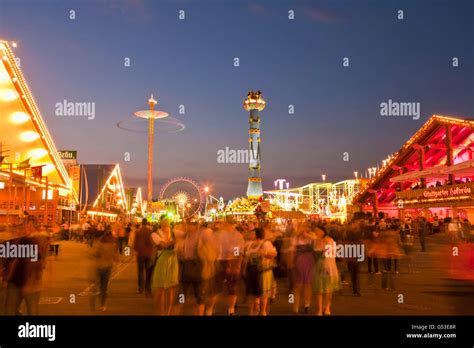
{"x": 244, "y": 262}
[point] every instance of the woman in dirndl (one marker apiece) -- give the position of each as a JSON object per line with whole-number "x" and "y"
{"x": 166, "y": 271}
{"x": 303, "y": 266}
{"x": 326, "y": 278}
{"x": 258, "y": 272}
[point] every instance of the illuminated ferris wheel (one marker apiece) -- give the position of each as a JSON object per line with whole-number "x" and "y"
{"x": 186, "y": 193}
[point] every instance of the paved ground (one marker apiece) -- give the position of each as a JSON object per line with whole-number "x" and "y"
{"x": 425, "y": 292}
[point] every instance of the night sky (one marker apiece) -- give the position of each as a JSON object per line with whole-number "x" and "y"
{"x": 297, "y": 62}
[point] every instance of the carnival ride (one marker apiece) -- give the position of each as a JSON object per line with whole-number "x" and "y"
{"x": 138, "y": 123}
{"x": 187, "y": 195}
{"x": 253, "y": 104}
{"x": 328, "y": 200}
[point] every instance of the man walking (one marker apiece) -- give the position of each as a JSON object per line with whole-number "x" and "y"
{"x": 85, "y": 231}
{"x": 145, "y": 257}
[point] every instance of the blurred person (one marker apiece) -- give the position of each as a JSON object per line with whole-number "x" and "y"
{"x": 407, "y": 241}
{"x": 303, "y": 265}
{"x": 22, "y": 276}
{"x": 270, "y": 236}
{"x": 371, "y": 242}
{"x": 353, "y": 237}
{"x": 208, "y": 252}
{"x": 191, "y": 266}
{"x": 85, "y": 229}
{"x": 405, "y": 228}
{"x": 455, "y": 230}
{"x": 75, "y": 231}
{"x": 131, "y": 237}
{"x": 118, "y": 232}
{"x": 143, "y": 246}
{"x": 231, "y": 251}
{"x": 286, "y": 262}
{"x": 436, "y": 224}
{"x": 389, "y": 252}
{"x": 65, "y": 230}
{"x": 466, "y": 230}
{"x": 249, "y": 231}
{"x": 422, "y": 231}
{"x": 289, "y": 228}
{"x": 166, "y": 270}
{"x": 128, "y": 231}
{"x": 382, "y": 225}
{"x": 100, "y": 228}
{"x": 258, "y": 272}
{"x": 104, "y": 255}
{"x": 92, "y": 233}
{"x": 326, "y": 276}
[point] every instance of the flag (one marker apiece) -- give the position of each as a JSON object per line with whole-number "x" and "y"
{"x": 24, "y": 164}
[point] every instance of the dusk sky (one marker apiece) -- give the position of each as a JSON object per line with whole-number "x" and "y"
{"x": 296, "y": 62}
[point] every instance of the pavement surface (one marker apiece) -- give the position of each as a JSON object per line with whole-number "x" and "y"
{"x": 426, "y": 291}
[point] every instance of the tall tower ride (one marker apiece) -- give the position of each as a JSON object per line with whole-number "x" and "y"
{"x": 254, "y": 103}
{"x": 151, "y": 140}
{"x": 151, "y": 115}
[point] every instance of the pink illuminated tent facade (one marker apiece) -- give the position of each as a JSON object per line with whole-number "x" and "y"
{"x": 431, "y": 174}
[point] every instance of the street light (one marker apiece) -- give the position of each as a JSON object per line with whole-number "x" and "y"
{"x": 324, "y": 177}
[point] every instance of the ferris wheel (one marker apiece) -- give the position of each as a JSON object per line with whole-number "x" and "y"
{"x": 186, "y": 193}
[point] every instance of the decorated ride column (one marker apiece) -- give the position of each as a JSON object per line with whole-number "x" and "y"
{"x": 254, "y": 103}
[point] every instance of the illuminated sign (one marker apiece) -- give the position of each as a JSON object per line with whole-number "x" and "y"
{"x": 447, "y": 192}
{"x": 451, "y": 193}
{"x": 68, "y": 155}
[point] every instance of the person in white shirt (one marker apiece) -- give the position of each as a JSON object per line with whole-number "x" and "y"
{"x": 454, "y": 230}
{"x": 85, "y": 230}
{"x": 231, "y": 250}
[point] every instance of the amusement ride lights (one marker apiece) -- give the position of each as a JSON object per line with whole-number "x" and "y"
{"x": 254, "y": 103}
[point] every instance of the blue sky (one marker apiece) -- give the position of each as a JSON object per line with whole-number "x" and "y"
{"x": 190, "y": 62}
